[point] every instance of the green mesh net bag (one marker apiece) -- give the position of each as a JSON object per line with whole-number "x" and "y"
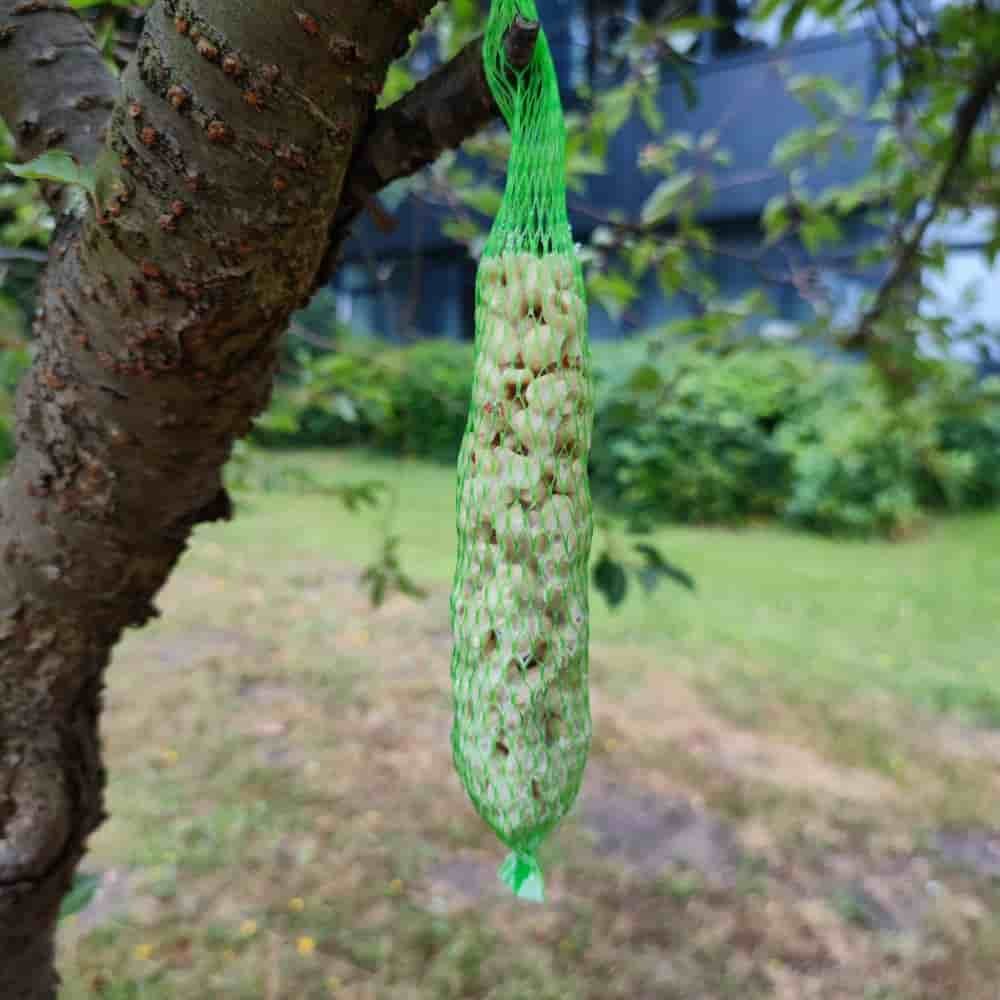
{"x": 519, "y": 606}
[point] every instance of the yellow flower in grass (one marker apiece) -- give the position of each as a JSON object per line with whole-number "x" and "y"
{"x": 143, "y": 952}
{"x": 248, "y": 928}
{"x": 297, "y": 904}
{"x": 396, "y": 887}
{"x": 306, "y": 946}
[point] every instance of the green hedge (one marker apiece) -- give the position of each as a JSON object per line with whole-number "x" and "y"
{"x": 411, "y": 400}
{"x": 776, "y": 432}
{"x": 693, "y": 438}
{"x": 765, "y": 432}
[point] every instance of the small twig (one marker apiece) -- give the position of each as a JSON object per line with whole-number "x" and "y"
{"x": 966, "y": 118}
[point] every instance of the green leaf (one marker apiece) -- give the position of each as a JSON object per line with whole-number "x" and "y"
{"x": 657, "y": 566}
{"x": 58, "y": 166}
{"x": 79, "y": 896}
{"x": 684, "y": 76}
{"x": 695, "y": 24}
{"x": 664, "y": 196}
{"x": 796, "y": 145}
{"x": 766, "y": 10}
{"x": 818, "y": 230}
{"x": 610, "y": 580}
{"x": 614, "y": 291}
{"x": 483, "y": 198}
{"x": 615, "y": 107}
{"x": 791, "y": 19}
{"x": 675, "y": 269}
{"x": 398, "y": 81}
{"x": 776, "y": 217}
{"x": 377, "y": 585}
{"x": 645, "y": 378}
{"x": 650, "y": 111}
{"x": 461, "y": 230}
{"x": 386, "y": 575}
{"x": 640, "y": 256}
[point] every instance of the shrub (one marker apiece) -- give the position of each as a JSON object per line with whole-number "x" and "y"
{"x": 430, "y": 386}
{"x": 411, "y": 400}
{"x": 763, "y": 432}
{"x": 977, "y": 442}
{"x": 864, "y": 465}
{"x": 338, "y": 398}
{"x": 854, "y": 461}
{"x": 692, "y": 438}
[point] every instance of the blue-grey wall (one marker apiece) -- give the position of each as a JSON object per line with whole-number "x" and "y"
{"x": 741, "y": 95}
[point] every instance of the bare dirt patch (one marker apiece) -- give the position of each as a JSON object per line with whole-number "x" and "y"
{"x": 665, "y": 711}
{"x": 651, "y": 832}
{"x": 965, "y": 742}
{"x": 193, "y": 648}
{"x": 977, "y": 850}
{"x": 460, "y": 882}
{"x": 888, "y": 895}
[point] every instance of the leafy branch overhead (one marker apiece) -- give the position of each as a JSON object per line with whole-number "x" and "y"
{"x": 931, "y": 130}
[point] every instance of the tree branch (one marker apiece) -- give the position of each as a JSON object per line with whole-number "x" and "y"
{"x": 55, "y": 89}
{"x": 439, "y": 113}
{"x": 967, "y": 117}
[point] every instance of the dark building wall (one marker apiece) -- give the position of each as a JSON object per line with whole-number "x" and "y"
{"x": 416, "y": 281}
{"x": 744, "y": 98}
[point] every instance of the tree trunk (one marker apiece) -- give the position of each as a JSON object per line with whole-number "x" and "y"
{"x": 231, "y": 160}
{"x": 157, "y": 329}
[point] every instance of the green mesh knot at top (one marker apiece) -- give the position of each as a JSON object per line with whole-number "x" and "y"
{"x": 532, "y": 216}
{"x": 520, "y": 615}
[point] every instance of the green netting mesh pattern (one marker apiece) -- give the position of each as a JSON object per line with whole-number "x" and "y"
{"x": 519, "y": 605}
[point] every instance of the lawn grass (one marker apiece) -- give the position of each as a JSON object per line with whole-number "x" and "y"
{"x": 817, "y": 616}
{"x": 781, "y": 801}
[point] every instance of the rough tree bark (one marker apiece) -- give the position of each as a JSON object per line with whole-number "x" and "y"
{"x": 220, "y": 176}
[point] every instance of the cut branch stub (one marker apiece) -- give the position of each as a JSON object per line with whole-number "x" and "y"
{"x": 520, "y": 41}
